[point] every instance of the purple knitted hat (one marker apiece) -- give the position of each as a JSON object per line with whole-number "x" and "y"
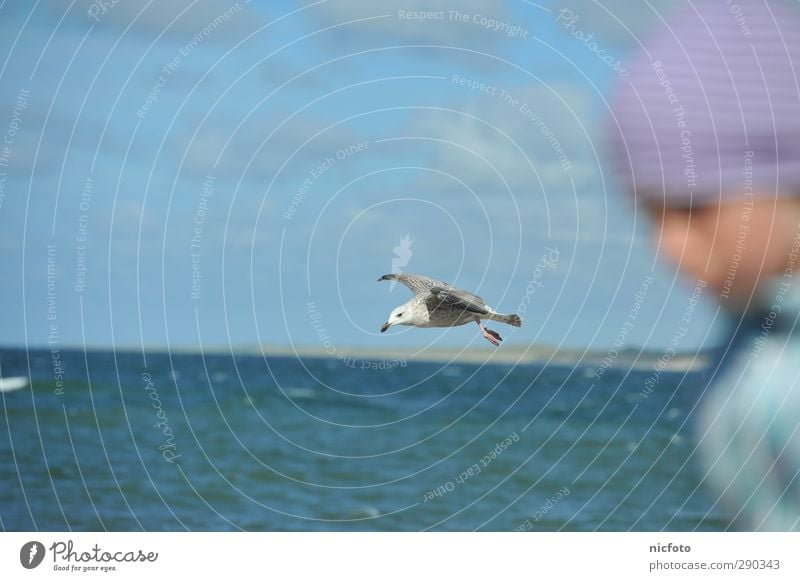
{"x": 711, "y": 108}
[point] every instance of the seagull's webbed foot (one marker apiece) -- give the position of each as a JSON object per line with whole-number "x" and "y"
{"x": 492, "y": 336}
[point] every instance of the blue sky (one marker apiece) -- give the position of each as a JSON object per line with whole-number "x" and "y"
{"x": 247, "y": 159}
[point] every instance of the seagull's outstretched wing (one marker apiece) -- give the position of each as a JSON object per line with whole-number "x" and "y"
{"x": 418, "y": 283}
{"x": 460, "y": 299}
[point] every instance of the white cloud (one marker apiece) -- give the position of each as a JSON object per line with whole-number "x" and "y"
{"x": 617, "y": 22}
{"x": 231, "y": 20}
{"x": 253, "y": 139}
{"x": 546, "y": 135}
{"x": 425, "y": 21}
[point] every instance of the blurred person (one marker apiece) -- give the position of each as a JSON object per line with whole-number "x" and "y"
{"x": 705, "y": 133}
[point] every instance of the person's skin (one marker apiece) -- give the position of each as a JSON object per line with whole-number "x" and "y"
{"x": 707, "y": 242}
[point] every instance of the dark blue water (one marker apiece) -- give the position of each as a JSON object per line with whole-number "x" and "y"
{"x": 225, "y": 443}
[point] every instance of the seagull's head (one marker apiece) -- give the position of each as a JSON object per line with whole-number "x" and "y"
{"x": 402, "y": 315}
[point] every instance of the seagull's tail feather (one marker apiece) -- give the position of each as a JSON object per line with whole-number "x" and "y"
{"x": 512, "y": 320}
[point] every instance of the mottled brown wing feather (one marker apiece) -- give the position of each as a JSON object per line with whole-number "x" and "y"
{"x": 461, "y": 299}
{"x": 416, "y": 282}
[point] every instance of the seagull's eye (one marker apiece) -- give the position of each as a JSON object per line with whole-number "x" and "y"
{"x": 399, "y": 315}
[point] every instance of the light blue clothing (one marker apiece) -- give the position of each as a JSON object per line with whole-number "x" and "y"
{"x": 749, "y": 423}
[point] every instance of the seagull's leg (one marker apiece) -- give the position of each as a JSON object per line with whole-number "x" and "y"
{"x": 492, "y": 336}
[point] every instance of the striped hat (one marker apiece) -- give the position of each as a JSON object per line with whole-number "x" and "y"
{"x": 710, "y": 109}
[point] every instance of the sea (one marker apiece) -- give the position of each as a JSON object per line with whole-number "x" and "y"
{"x": 127, "y": 441}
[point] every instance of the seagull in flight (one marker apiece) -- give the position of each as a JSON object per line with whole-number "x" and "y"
{"x": 438, "y": 304}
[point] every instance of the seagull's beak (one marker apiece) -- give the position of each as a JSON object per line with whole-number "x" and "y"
{"x": 385, "y": 326}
